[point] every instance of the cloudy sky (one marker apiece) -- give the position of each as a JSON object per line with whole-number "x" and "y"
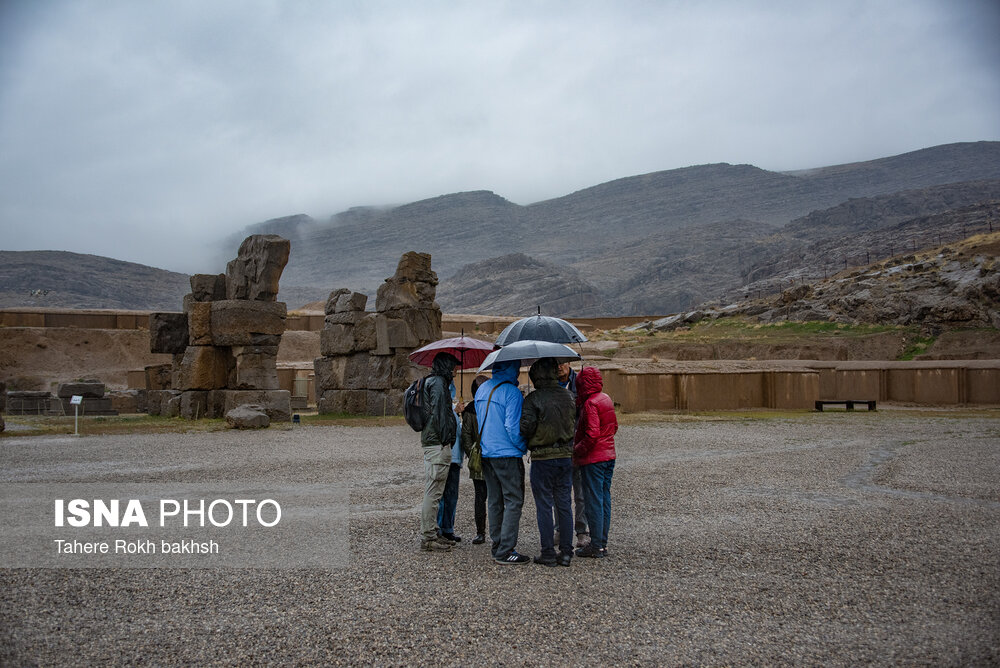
{"x": 147, "y": 130}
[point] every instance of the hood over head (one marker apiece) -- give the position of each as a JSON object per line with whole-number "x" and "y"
{"x": 444, "y": 365}
{"x": 588, "y": 381}
{"x": 507, "y": 370}
{"x": 544, "y": 372}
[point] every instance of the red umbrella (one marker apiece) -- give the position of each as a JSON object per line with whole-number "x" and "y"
{"x": 469, "y": 352}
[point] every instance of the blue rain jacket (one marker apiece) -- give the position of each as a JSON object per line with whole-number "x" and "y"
{"x": 501, "y": 429}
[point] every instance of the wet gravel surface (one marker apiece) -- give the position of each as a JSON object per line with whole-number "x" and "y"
{"x": 832, "y": 539}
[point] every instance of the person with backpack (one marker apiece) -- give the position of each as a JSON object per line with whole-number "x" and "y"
{"x": 437, "y": 438}
{"x": 498, "y": 412}
{"x": 474, "y": 453}
{"x": 548, "y": 417}
{"x": 594, "y": 453}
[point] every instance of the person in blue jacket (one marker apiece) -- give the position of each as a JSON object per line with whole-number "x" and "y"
{"x": 498, "y": 412}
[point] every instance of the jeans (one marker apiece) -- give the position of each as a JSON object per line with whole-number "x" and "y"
{"x": 597, "y": 499}
{"x": 436, "y": 462}
{"x": 504, "y": 497}
{"x": 551, "y": 484}
{"x": 449, "y": 500}
{"x": 579, "y": 512}
{"x": 480, "y": 506}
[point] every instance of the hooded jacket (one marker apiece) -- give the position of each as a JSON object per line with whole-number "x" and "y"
{"x": 597, "y": 423}
{"x": 549, "y": 414}
{"x": 442, "y": 426}
{"x": 501, "y": 430}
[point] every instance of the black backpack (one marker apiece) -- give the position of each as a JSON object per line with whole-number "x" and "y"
{"x": 414, "y": 411}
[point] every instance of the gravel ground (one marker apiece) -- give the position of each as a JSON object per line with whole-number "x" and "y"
{"x": 833, "y": 539}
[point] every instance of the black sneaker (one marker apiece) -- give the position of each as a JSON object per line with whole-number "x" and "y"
{"x": 564, "y": 559}
{"x": 546, "y": 561}
{"x": 479, "y": 539}
{"x": 452, "y": 537}
{"x": 513, "y": 558}
{"x": 591, "y": 552}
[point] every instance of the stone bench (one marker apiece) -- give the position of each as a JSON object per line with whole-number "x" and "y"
{"x": 847, "y": 403}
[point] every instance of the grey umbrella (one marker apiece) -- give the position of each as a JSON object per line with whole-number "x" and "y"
{"x": 528, "y": 351}
{"x": 540, "y": 328}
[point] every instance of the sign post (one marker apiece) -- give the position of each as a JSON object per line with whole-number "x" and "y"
{"x": 76, "y": 401}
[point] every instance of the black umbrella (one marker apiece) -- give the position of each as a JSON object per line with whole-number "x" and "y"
{"x": 540, "y": 328}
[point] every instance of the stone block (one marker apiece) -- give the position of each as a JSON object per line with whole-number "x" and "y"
{"x": 129, "y": 401}
{"x": 171, "y": 405}
{"x": 200, "y": 324}
{"x": 256, "y": 368}
{"x": 336, "y": 340}
{"x": 364, "y": 333}
{"x": 416, "y": 267}
{"x": 255, "y": 272}
{"x": 276, "y": 403}
{"x": 208, "y": 287}
{"x": 424, "y": 324}
{"x": 83, "y": 389}
{"x": 348, "y": 318}
{"x": 194, "y": 404}
{"x": 383, "y": 403}
{"x": 394, "y": 295}
{"x": 354, "y": 402}
{"x": 393, "y": 333}
{"x": 330, "y": 373}
{"x": 168, "y": 332}
{"x": 331, "y": 301}
{"x": 350, "y": 302}
{"x": 203, "y": 368}
{"x": 159, "y": 376}
{"x": 247, "y": 417}
{"x": 247, "y": 323}
{"x": 404, "y": 371}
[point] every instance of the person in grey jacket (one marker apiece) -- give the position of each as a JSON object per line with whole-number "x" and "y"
{"x": 437, "y": 439}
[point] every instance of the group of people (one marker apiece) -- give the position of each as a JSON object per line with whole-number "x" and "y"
{"x": 566, "y": 425}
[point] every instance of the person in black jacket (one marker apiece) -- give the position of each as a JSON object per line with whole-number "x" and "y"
{"x": 437, "y": 439}
{"x": 548, "y": 420}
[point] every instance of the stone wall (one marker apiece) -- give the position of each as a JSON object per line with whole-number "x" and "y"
{"x": 225, "y": 342}
{"x": 365, "y": 367}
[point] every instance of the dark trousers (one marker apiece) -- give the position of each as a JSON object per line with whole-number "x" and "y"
{"x": 449, "y": 500}
{"x": 597, "y": 498}
{"x": 504, "y": 498}
{"x": 551, "y": 485}
{"x": 480, "y": 506}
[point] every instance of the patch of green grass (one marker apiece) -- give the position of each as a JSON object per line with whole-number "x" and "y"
{"x": 100, "y": 425}
{"x": 916, "y": 346}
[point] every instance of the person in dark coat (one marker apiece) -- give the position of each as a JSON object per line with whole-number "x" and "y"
{"x": 594, "y": 453}
{"x": 437, "y": 438}
{"x": 474, "y": 454}
{"x": 567, "y": 379}
{"x": 548, "y": 416}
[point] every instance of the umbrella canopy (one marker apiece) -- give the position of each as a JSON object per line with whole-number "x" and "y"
{"x": 529, "y": 351}
{"x": 469, "y": 352}
{"x": 540, "y": 328}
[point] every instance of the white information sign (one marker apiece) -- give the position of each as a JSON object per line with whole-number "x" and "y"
{"x": 76, "y": 400}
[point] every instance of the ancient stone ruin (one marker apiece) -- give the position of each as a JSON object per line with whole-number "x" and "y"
{"x": 225, "y": 342}
{"x": 365, "y": 365}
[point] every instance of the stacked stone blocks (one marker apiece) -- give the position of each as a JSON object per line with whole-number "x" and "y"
{"x": 365, "y": 367}
{"x": 225, "y": 342}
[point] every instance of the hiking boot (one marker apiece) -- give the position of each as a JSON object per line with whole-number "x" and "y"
{"x": 564, "y": 559}
{"x": 479, "y": 539}
{"x": 444, "y": 539}
{"x": 452, "y": 537}
{"x": 591, "y": 552}
{"x": 513, "y": 558}
{"x": 546, "y": 561}
{"x": 434, "y": 545}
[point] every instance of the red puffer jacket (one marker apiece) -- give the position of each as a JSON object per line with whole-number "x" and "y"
{"x": 597, "y": 424}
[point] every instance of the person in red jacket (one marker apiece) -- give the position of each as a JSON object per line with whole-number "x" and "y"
{"x": 594, "y": 453}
